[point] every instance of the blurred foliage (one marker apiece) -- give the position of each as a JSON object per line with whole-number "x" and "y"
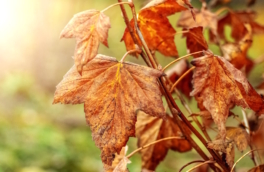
{"x": 37, "y": 136}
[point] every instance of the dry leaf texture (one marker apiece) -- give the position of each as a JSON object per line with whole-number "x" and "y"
{"x": 155, "y": 26}
{"x": 203, "y": 18}
{"x": 150, "y": 129}
{"x": 112, "y": 92}
{"x": 174, "y": 73}
{"x": 89, "y": 28}
{"x": 195, "y": 40}
{"x": 220, "y": 86}
{"x": 259, "y": 168}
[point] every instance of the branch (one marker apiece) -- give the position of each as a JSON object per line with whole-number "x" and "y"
{"x": 152, "y": 143}
{"x": 243, "y": 157}
{"x": 206, "y": 162}
{"x": 196, "y": 161}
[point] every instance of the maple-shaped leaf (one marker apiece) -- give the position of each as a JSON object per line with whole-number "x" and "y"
{"x": 234, "y": 136}
{"x": 120, "y": 162}
{"x": 195, "y": 40}
{"x": 112, "y": 92}
{"x": 237, "y": 20}
{"x": 259, "y": 168}
{"x": 89, "y": 28}
{"x": 203, "y": 17}
{"x": 236, "y": 53}
{"x": 150, "y": 129}
{"x": 220, "y": 86}
{"x": 175, "y": 72}
{"x": 155, "y": 26}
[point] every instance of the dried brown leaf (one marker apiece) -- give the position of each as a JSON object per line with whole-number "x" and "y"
{"x": 175, "y": 72}
{"x": 119, "y": 159}
{"x": 259, "y": 168}
{"x": 203, "y": 18}
{"x": 236, "y": 53}
{"x": 230, "y": 154}
{"x": 112, "y": 92}
{"x": 220, "y": 86}
{"x": 150, "y": 129}
{"x": 89, "y": 28}
{"x": 237, "y": 20}
{"x": 195, "y": 40}
{"x": 155, "y": 26}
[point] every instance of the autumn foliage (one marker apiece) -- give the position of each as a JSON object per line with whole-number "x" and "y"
{"x": 123, "y": 99}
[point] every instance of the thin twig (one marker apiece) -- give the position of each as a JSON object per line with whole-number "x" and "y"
{"x": 206, "y": 162}
{"x": 182, "y": 76}
{"x": 152, "y": 143}
{"x": 178, "y": 59}
{"x": 245, "y": 121}
{"x": 243, "y": 157}
{"x": 119, "y": 3}
{"x": 218, "y": 12}
{"x": 129, "y": 52}
{"x": 196, "y": 161}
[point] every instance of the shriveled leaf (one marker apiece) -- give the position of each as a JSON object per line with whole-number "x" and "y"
{"x": 112, "y": 92}
{"x": 175, "y": 72}
{"x": 119, "y": 158}
{"x": 203, "y": 18}
{"x": 220, "y": 86}
{"x": 238, "y": 135}
{"x": 236, "y": 53}
{"x": 150, "y": 129}
{"x": 230, "y": 154}
{"x": 89, "y": 28}
{"x": 259, "y": 168}
{"x": 155, "y": 26}
{"x": 122, "y": 165}
{"x": 234, "y": 136}
{"x": 195, "y": 40}
{"x": 237, "y": 20}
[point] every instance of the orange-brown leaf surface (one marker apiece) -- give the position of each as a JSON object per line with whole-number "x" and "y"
{"x": 203, "y": 18}
{"x": 175, "y": 72}
{"x": 237, "y": 20}
{"x": 89, "y": 28}
{"x": 120, "y": 162}
{"x": 236, "y": 53}
{"x": 150, "y": 129}
{"x": 220, "y": 86}
{"x": 112, "y": 92}
{"x": 234, "y": 136}
{"x": 195, "y": 40}
{"x": 155, "y": 26}
{"x": 259, "y": 168}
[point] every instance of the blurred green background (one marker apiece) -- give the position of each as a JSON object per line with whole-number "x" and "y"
{"x": 36, "y": 136}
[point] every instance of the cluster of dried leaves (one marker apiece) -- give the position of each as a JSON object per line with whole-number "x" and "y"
{"x": 123, "y": 100}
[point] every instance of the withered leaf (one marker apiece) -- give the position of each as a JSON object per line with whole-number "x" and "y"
{"x": 89, "y": 28}
{"x": 150, "y": 19}
{"x": 175, "y": 72}
{"x": 259, "y": 168}
{"x": 112, "y": 92}
{"x": 150, "y": 129}
{"x": 236, "y": 53}
{"x": 220, "y": 86}
{"x": 195, "y": 40}
{"x": 237, "y": 20}
{"x": 120, "y": 162}
{"x": 234, "y": 136}
{"x": 203, "y": 18}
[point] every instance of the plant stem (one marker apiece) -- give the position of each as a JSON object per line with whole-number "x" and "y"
{"x": 182, "y": 76}
{"x": 196, "y": 161}
{"x": 206, "y": 162}
{"x": 152, "y": 143}
{"x": 178, "y": 59}
{"x": 243, "y": 157}
{"x": 119, "y": 3}
{"x": 129, "y": 52}
{"x": 219, "y": 11}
